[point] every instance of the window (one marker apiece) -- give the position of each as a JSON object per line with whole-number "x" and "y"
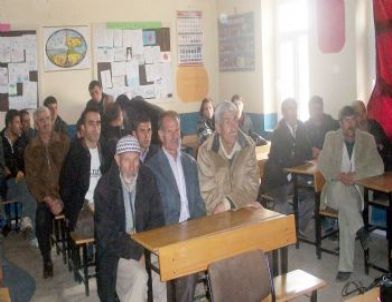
{"x": 293, "y": 53}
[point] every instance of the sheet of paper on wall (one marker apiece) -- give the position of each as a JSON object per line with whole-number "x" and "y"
{"x": 127, "y": 38}
{"x": 16, "y": 102}
{"x": 99, "y": 34}
{"x": 30, "y": 45}
{"x": 119, "y": 54}
{"x": 152, "y": 72}
{"x": 165, "y": 56}
{"x": 118, "y": 69}
{"x": 3, "y": 88}
{"x": 30, "y": 90}
{"x": 12, "y": 90}
{"x": 106, "y": 79}
{"x": 17, "y": 49}
{"x": 149, "y": 37}
{"x": 5, "y": 50}
{"x": 167, "y": 81}
{"x": 152, "y": 54}
{"x": 117, "y": 38}
{"x": 132, "y": 74}
{"x": 105, "y": 54}
{"x": 108, "y": 38}
{"x": 18, "y": 73}
{"x": 137, "y": 41}
{"x": 118, "y": 81}
{"x": 3, "y": 76}
{"x": 148, "y": 91}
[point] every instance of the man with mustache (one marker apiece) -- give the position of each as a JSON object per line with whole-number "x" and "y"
{"x": 228, "y": 171}
{"x": 178, "y": 184}
{"x": 348, "y": 154}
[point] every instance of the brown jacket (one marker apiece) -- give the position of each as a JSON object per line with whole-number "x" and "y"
{"x": 43, "y": 165}
{"x": 237, "y": 180}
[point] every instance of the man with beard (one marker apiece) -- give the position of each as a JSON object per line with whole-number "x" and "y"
{"x": 348, "y": 154}
{"x": 126, "y": 201}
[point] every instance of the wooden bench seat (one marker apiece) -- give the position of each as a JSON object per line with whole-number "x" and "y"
{"x": 295, "y": 284}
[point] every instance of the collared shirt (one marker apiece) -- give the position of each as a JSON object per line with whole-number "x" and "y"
{"x": 235, "y": 149}
{"x": 129, "y": 206}
{"x": 178, "y": 172}
{"x": 143, "y": 154}
{"x": 293, "y": 130}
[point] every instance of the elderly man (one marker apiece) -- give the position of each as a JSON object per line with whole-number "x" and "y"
{"x": 228, "y": 170}
{"x": 143, "y": 134}
{"x": 44, "y": 156}
{"x": 348, "y": 154}
{"x": 290, "y": 147}
{"x": 178, "y": 184}
{"x": 127, "y": 200}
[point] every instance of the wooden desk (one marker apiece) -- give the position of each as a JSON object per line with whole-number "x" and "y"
{"x": 307, "y": 169}
{"x": 189, "y": 247}
{"x": 370, "y": 296}
{"x": 263, "y": 151}
{"x": 380, "y": 183}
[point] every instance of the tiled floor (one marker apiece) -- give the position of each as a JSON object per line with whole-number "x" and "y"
{"x": 62, "y": 286}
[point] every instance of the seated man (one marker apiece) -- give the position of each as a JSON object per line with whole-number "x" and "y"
{"x": 143, "y": 134}
{"x": 82, "y": 169}
{"x": 348, "y": 154}
{"x": 290, "y": 147}
{"x": 58, "y": 123}
{"x": 374, "y": 128}
{"x": 178, "y": 184}
{"x": 318, "y": 124}
{"x": 228, "y": 170}
{"x": 98, "y": 97}
{"x": 27, "y": 131}
{"x": 126, "y": 201}
{"x": 44, "y": 157}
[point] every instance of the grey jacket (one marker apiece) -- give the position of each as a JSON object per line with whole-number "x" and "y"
{"x": 167, "y": 186}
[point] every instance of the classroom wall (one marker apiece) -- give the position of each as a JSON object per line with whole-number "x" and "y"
{"x": 70, "y": 87}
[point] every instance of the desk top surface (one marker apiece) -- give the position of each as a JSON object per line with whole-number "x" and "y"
{"x": 381, "y": 183}
{"x": 309, "y": 168}
{"x": 155, "y": 239}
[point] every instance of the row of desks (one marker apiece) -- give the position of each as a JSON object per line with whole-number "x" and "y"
{"x": 189, "y": 247}
{"x": 381, "y": 183}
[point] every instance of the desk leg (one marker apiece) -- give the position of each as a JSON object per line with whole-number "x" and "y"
{"x": 275, "y": 263}
{"x": 389, "y": 232}
{"x": 147, "y": 257}
{"x": 317, "y": 222}
{"x": 366, "y": 222}
{"x": 283, "y": 260}
{"x": 295, "y": 204}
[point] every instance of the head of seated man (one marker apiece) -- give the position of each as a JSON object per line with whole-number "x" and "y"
{"x": 226, "y": 120}
{"x": 95, "y": 90}
{"x": 290, "y": 112}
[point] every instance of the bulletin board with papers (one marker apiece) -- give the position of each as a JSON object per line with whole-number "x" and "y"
{"x": 18, "y": 70}
{"x": 134, "y": 59}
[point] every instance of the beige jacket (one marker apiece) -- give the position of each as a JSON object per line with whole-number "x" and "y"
{"x": 220, "y": 179}
{"x": 366, "y": 158}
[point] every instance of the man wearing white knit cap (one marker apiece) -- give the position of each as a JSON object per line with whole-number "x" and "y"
{"x": 126, "y": 201}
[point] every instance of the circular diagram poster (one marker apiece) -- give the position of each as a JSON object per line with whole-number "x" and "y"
{"x": 66, "y": 48}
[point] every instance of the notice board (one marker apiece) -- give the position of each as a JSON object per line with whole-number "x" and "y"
{"x": 236, "y": 42}
{"x": 18, "y": 70}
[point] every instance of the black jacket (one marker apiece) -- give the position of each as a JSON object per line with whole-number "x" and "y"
{"x": 285, "y": 152}
{"x": 151, "y": 152}
{"x": 316, "y": 133}
{"x": 75, "y": 178}
{"x": 13, "y": 155}
{"x": 60, "y": 126}
{"x": 111, "y": 239}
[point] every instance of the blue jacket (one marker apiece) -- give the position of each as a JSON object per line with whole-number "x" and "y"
{"x": 167, "y": 186}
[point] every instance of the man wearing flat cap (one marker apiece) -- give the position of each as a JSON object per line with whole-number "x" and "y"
{"x": 126, "y": 200}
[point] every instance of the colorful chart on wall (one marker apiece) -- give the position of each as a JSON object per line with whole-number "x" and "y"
{"x": 66, "y": 48}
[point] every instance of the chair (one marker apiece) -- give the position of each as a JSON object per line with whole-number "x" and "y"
{"x": 59, "y": 236}
{"x": 246, "y": 277}
{"x": 319, "y": 182}
{"x": 266, "y": 200}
